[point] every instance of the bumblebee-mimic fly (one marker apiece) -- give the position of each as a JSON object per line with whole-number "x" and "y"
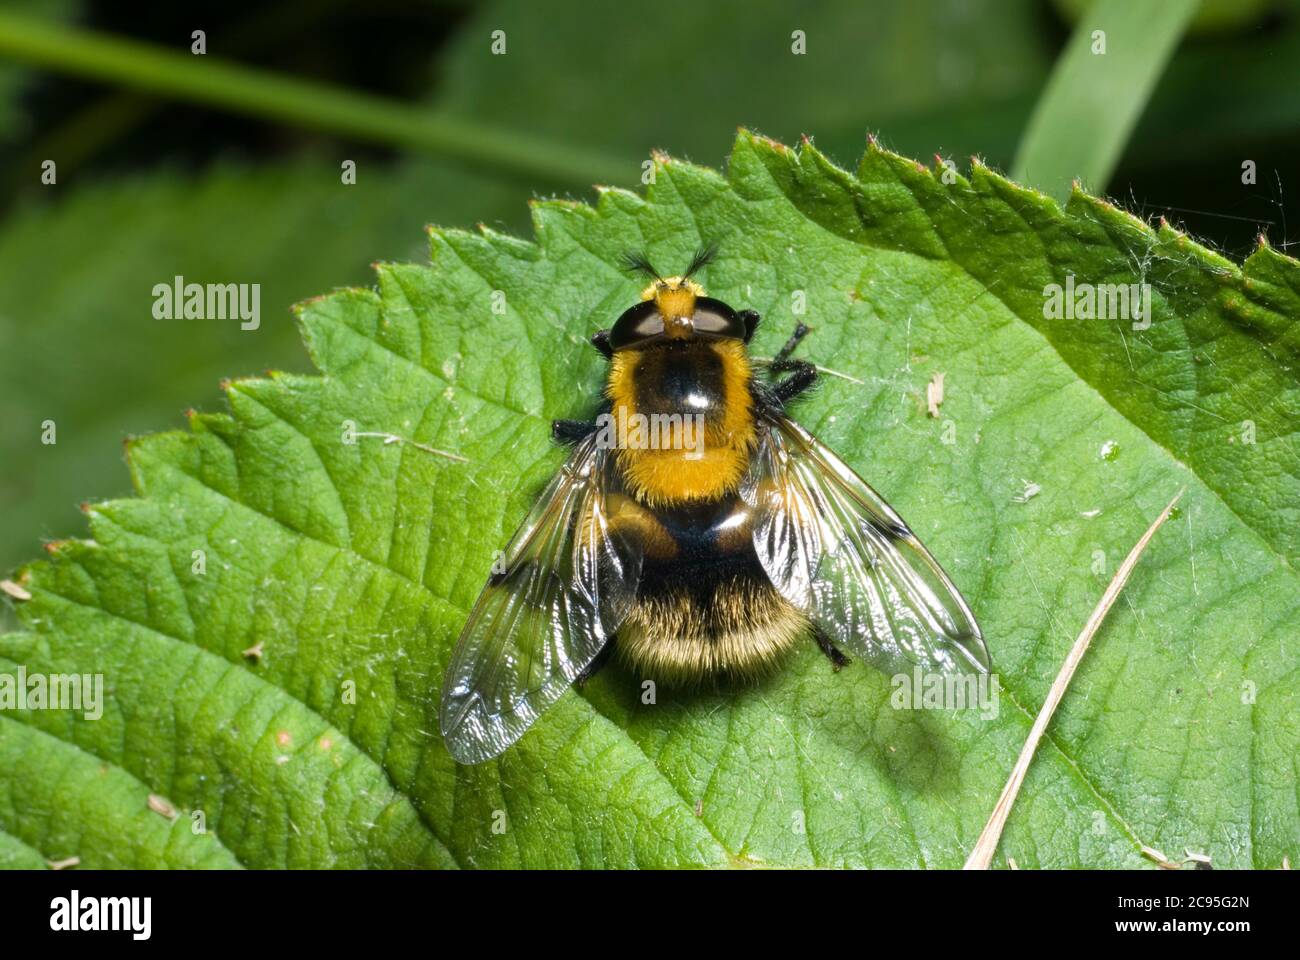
{"x": 710, "y": 555}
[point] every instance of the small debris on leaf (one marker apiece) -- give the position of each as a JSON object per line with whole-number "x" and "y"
{"x": 15, "y": 591}
{"x": 160, "y": 806}
{"x": 1031, "y": 490}
{"x": 1151, "y": 853}
{"x": 1200, "y": 860}
{"x": 934, "y": 394}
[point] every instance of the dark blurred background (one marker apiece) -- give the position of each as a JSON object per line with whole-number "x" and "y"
{"x": 149, "y": 187}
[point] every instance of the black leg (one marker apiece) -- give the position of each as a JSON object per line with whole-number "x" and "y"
{"x": 803, "y": 375}
{"x": 571, "y": 431}
{"x": 593, "y": 668}
{"x": 782, "y": 359}
{"x": 831, "y": 651}
{"x": 600, "y": 340}
{"x": 750, "y": 319}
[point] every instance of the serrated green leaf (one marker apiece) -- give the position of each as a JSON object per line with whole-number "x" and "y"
{"x": 290, "y": 692}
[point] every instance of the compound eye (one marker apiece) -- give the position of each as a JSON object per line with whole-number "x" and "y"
{"x": 713, "y": 318}
{"x": 637, "y": 325}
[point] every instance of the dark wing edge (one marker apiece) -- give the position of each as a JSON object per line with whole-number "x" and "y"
{"x": 569, "y": 582}
{"x": 838, "y": 552}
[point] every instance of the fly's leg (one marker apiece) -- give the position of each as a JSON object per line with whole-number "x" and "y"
{"x": 782, "y": 361}
{"x": 571, "y": 432}
{"x": 591, "y": 669}
{"x": 802, "y": 373}
{"x": 802, "y": 376}
{"x": 837, "y": 659}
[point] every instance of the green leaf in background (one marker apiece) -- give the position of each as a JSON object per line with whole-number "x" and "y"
{"x": 735, "y": 64}
{"x": 1097, "y": 91}
{"x": 15, "y": 79}
{"x": 956, "y": 78}
{"x": 290, "y": 691}
{"x": 1211, "y": 17}
{"x": 76, "y": 307}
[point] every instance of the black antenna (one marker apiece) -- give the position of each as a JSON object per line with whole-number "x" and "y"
{"x": 636, "y": 261}
{"x": 703, "y": 257}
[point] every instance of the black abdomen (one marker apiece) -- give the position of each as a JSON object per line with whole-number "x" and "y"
{"x": 709, "y": 610}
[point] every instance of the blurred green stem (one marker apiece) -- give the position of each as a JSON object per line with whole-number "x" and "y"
{"x": 207, "y": 79}
{"x": 1093, "y": 100}
{"x": 113, "y": 116}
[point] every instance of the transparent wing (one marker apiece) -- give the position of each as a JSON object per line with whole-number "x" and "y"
{"x": 833, "y": 548}
{"x": 569, "y": 581}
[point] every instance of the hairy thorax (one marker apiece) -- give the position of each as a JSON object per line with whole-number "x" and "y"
{"x": 682, "y": 385}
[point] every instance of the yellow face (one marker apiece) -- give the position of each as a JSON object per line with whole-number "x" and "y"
{"x": 675, "y": 298}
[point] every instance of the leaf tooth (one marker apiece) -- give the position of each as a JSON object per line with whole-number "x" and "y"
{"x": 1266, "y": 257}
{"x": 762, "y": 142}
{"x": 610, "y": 200}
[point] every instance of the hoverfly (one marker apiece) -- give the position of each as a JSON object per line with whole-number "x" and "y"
{"x": 695, "y": 560}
